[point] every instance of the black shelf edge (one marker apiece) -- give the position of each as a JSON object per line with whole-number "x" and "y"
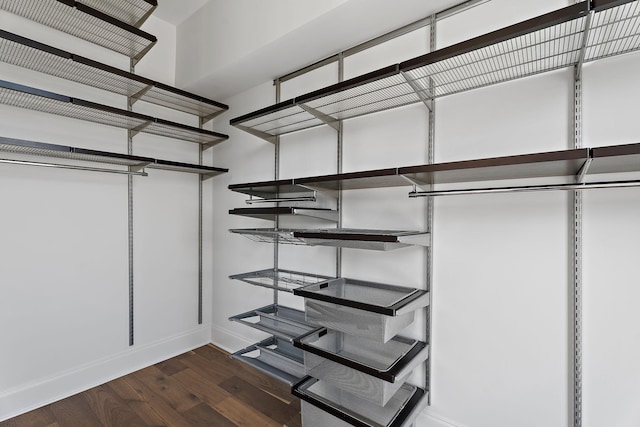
{"x": 547, "y": 20}
{"x": 134, "y": 19}
{"x": 209, "y": 106}
{"x": 379, "y": 74}
{"x": 187, "y": 167}
{"x": 545, "y": 164}
{"x": 388, "y": 375}
{"x": 360, "y": 305}
{"x": 191, "y": 131}
{"x": 600, "y": 5}
{"x": 263, "y": 112}
{"x": 43, "y": 149}
{"x": 269, "y": 188}
{"x": 86, "y": 23}
{"x": 399, "y": 420}
{"x": 115, "y": 22}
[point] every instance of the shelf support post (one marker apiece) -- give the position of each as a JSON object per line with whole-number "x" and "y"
{"x": 339, "y": 167}
{"x": 201, "y": 149}
{"x": 130, "y": 135}
{"x": 276, "y": 173}
{"x": 576, "y": 286}
{"x": 429, "y": 249}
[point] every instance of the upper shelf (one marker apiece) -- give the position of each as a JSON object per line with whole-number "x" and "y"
{"x": 87, "y": 23}
{"x": 132, "y": 12}
{"x": 26, "y": 53}
{"x": 32, "y": 148}
{"x": 48, "y": 102}
{"x": 548, "y": 42}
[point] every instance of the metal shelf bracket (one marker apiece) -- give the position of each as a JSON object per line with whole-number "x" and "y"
{"x": 263, "y": 135}
{"x": 427, "y": 101}
{"x": 326, "y": 119}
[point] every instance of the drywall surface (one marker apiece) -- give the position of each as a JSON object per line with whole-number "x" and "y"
{"x": 502, "y": 263}
{"x": 65, "y": 278}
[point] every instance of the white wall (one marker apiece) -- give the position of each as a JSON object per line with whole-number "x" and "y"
{"x": 501, "y": 262}
{"x": 64, "y": 294}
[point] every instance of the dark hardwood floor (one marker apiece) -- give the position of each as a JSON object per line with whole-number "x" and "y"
{"x": 203, "y": 387}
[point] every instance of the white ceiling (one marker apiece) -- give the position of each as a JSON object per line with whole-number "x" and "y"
{"x": 176, "y": 11}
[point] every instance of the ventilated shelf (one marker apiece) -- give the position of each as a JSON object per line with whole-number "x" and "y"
{"x": 281, "y": 322}
{"x": 282, "y": 280}
{"x": 366, "y": 309}
{"x": 86, "y": 23}
{"x": 274, "y": 357}
{"x": 381, "y": 240}
{"x": 545, "y": 43}
{"x": 272, "y": 213}
{"x": 48, "y": 102}
{"x": 132, "y": 12}
{"x": 326, "y": 405}
{"x": 363, "y": 367}
{"x": 26, "y": 53}
{"x": 33, "y": 148}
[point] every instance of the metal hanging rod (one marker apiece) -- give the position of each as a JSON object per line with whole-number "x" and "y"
{"x": 528, "y": 188}
{"x": 61, "y": 166}
{"x": 416, "y": 25}
{"x": 252, "y": 201}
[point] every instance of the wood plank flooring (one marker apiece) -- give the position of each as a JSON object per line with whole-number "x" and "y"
{"x": 203, "y": 387}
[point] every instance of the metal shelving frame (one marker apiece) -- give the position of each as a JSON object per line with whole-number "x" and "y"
{"x": 113, "y": 24}
{"x": 569, "y": 37}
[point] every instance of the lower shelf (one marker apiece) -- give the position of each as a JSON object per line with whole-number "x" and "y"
{"x": 326, "y": 406}
{"x": 282, "y": 280}
{"x": 282, "y": 322}
{"x": 381, "y": 240}
{"x": 274, "y": 357}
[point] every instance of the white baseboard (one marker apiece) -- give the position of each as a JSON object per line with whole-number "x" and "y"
{"x": 228, "y": 340}
{"x": 31, "y": 396}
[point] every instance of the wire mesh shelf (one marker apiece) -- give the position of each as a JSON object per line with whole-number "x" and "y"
{"x": 282, "y": 322}
{"x": 282, "y": 280}
{"x": 48, "y": 102}
{"x": 381, "y": 240}
{"x": 585, "y": 31}
{"x": 271, "y": 189}
{"x": 324, "y": 404}
{"x": 274, "y": 357}
{"x": 26, "y": 53}
{"x": 272, "y": 213}
{"x": 33, "y": 148}
{"x": 132, "y": 12}
{"x": 84, "y": 22}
